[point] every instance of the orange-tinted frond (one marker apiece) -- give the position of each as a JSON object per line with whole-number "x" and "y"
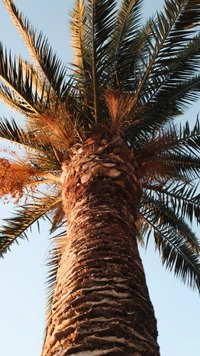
{"x": 57, "y": 128}
{"x": 156, "y": 169}
{"x": 119, "y": 106}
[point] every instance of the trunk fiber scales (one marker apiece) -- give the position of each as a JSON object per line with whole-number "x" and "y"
{"x": 101, "y": 304}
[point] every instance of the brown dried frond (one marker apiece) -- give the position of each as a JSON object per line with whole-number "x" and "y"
{"x": 119, "y": 106}
{"x": 58, "y": 215}
{"x": 112, "y": 100}
{"x": 156, "y": 169}
{"x": 57, "y": 128}
{"x": 14, "y": 177}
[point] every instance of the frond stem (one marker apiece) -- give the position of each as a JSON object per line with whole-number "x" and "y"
{"x": 94, "y": 65}
{"x": 143, "y": 82}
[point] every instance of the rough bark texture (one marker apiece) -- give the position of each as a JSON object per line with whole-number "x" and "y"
{"x": 101, "y": 304}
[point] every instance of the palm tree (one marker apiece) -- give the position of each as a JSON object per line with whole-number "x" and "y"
{"x": 100, "y": 157}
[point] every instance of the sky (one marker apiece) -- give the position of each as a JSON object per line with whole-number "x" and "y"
{"x": 23, "y": 272}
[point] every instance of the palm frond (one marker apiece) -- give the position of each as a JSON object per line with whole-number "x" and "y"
{"x": 39, "y": 154}
{"x": 170, "y": 140}
{"x": 183, "y": 198}
{"x": 170, "y": 154}
{"x": 179, "y": 258}
{"x": 19, "y": 86}
{"x": 90, "y": 35}
{"x": 161, "y": 213}
{"x": 125, "y": 42}
{"x": 25, "y": 216}
{"x": 11, "y": 131}
{"x": 184, "y": 64}
{"x": 12, "y": 100}
{"x": 170, "y": 101}
{"x": 58, "y": 244}
{"x": 178, "y": 97}
{"x": 37, "y": 78}
{"x": 52, "y": 68}
{"x": 185, "y": 166}
{"x": 169, "y": 32}
{"x": 57, "y": 218}
{"x": 175, "y": 70}
{"x": 184, "y": 140}
{"x": 187, "y": 20}
{"x": 91, "y": 27}
{"x": 91, "y": 24}
{"x": 45, "y": 162}
{"x": 173, "y": 78}
{"x": 177, "y": 244}
{"x": 82, "y": 53}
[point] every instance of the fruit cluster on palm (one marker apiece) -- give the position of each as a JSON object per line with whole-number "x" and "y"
{"x": 102, "y": 156}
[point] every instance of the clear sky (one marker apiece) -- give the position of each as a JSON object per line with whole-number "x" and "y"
{"x": 22, "y": 272}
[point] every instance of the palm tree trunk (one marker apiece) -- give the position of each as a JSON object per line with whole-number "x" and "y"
{"x": 101, "y": 303}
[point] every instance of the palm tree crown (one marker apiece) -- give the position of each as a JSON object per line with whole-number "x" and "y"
{"x": 128, "y": 81}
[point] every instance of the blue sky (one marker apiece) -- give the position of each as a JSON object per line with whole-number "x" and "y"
{"x": 22, "y": 272}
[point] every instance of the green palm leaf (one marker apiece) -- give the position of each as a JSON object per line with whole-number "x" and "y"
{"x": 82, "y": 53}
{"x": 182, "y": 197}
{"x": 177, "y": 244}
{"x": 52, "y": 68}
{"x": 18, "y": 84}
{"x": 169, "y": 141}
{"x": 11, "y": 131}
{"x": 161, "y": 213}
{"x": 186, "y": 166}
{"x": 169, "y": 32}
{"x": 125, "y": 43}
{"x": 177, "y": 195}
{"x": 25, "y": 216}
